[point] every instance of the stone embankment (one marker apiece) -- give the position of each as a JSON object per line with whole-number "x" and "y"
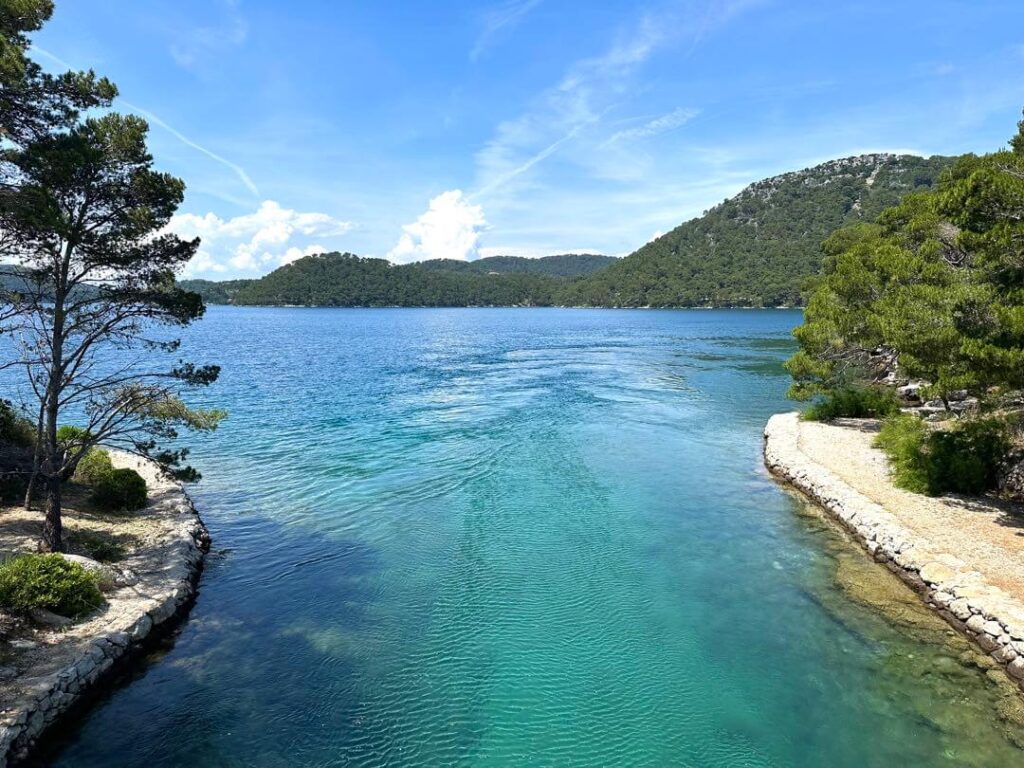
{"x": 54, "y": 675}
{"x": 961, "y": 593}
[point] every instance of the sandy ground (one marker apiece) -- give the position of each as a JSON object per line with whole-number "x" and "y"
{"x": 985, "y": 533}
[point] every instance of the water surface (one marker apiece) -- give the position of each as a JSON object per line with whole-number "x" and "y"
{"x": 529, "y": 537}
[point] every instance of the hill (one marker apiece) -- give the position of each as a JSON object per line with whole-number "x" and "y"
{"x": 563, "y": 265}
{"x": 759, "y": 247}
{"x": 215, "y": 292}
{"x": 346, "y": 280}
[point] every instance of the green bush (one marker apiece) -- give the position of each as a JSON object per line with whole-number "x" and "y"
{"x": 962, "y": 459}
{"x": 854, "y": 402}
{"x": 93, "y": 467}
{"x": 50, "y": 582}
{"x": 15, "y": 429}
{"x": 120, "y": 490}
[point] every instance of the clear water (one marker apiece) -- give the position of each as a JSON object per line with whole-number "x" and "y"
{"x": 528, "y": 537}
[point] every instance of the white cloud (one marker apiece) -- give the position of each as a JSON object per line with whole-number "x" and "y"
{"x": 267, "y": 238}
{"x": 197, "y": 44}
{"x": 498, "y": 20}
{"x": 667, "y": 122}
{"x": 591, "y": 87}
{"x": 449, "y": 229}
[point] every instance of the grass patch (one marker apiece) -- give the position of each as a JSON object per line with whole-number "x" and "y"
{"x": 103, "y": 547}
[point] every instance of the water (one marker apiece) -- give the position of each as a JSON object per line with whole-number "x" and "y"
{"x": 529, "y": 537}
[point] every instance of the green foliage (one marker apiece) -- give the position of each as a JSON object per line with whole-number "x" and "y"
{"x": 938, "y": 282}
{"x": 101, "y": 547}
{"x": 854, "y": 402}
{"x": 120, "y": 490}
{"x": 15, "y": 429}
{"x": 345, "y": 280}
{"x": 760, "y": 247}
{"x": 49, "y": 582}
{"x": 93, "y": 467}
{"x": 215, "y": 292}
{"x": 70, "y": 435}
{"x": 964, "y": 458}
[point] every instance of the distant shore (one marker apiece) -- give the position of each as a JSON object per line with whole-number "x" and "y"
{"x": 56, "y": 673}
{"x": 965, "y": 557}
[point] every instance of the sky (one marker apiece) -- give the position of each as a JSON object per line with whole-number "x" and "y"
{"x": 414, "y": 130}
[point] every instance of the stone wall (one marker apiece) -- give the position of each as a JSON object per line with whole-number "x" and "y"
{"x": 154, "y": 587}
{"x": 989, "y": 615}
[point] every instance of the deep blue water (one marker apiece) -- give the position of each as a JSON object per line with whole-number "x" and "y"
{"x": 522, "y": 537}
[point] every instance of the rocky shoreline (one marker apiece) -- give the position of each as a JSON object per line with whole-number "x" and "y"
{"x": 990, "y": 616}
{"x": 54, "y": 678}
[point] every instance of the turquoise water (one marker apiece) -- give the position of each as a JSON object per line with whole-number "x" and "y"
{"x": 526, "y": 537}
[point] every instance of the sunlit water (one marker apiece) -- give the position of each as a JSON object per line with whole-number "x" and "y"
{"x": 528, "y": 537}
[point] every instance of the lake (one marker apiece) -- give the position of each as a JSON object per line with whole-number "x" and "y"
{"x": 507, "y": 537}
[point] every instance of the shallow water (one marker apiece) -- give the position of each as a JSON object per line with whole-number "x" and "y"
{"x": 529, "y": 537}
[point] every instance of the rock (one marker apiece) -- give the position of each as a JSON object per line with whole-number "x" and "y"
{"x": 8, "y": 673}
{"x": 937, "y": 573}
{"x": 49, "y": 618}
{"x": 23, "y": 645}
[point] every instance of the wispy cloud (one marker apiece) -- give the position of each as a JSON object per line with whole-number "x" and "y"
{"x": 239, "y": 170}
{"x": 590, "y": 88}
{"x": 498, "y": 21}
{"x": 157, "y": 120}
{"x": 667, "y": 122}
{"x": 197, "y": 44}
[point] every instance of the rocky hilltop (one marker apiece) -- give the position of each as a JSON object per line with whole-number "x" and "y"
{"x": 759, "y": 247}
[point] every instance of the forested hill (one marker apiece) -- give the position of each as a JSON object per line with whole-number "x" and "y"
{"x": 563, "y": 265}
{"x": 346, "y": 280}
{"x": 758, "y": 248}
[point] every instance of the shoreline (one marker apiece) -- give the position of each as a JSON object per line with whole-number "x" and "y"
{"x": 991, "y": 617}
{"x": 81, "y": 664}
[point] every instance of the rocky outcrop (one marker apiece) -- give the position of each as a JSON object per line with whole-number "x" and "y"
{"x": 989, "y": 615}
{"x": 56, "y": 675}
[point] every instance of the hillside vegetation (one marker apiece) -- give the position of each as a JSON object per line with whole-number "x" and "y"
{"x": 346, "y": 280}
{"x": 759, "y": 247}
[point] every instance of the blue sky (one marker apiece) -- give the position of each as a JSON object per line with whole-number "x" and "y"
{"x": 416, "y": 129}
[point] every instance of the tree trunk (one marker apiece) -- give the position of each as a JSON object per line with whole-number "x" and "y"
{"x": 53, "y": 533}
{"x": 35, "y": 458}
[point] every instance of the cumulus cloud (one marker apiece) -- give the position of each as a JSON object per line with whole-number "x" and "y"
{"x": 267, "y": 238}
{"x": 449, "y": 229}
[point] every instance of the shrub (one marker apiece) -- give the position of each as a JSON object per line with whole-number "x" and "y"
{"x": 50, "y": 582}
{"x": 854, "y": 402}
{"x": 965, "y": 458}
{"x": 119, "y": 490}
{"x": 93, "y": 466}
{"x": 15, "y": 429}
{"x": 101, "y": 547}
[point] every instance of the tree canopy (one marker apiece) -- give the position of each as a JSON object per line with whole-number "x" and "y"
{"x": 936, "y": 286}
